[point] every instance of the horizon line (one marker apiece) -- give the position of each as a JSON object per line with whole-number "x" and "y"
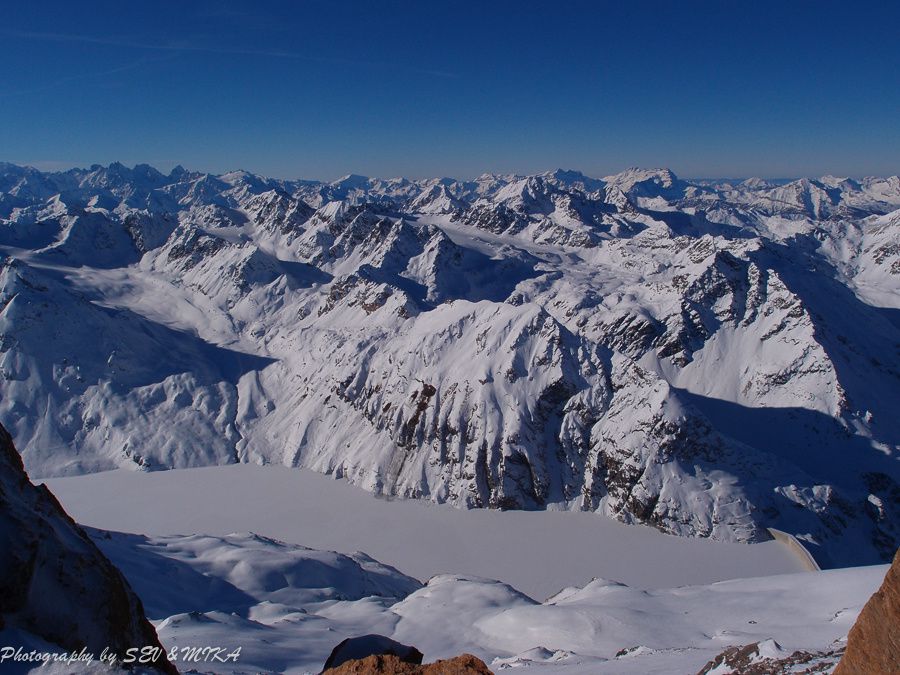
{"x": 60, "y": 166}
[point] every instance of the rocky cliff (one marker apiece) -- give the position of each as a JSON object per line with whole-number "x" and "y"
{"x": 55, "y": 584}
{"x": 873, "y": 645}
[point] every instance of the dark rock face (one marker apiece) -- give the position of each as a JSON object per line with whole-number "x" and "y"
{"x": 356, "y": 648}
{"x": 465, "y": 664}
{"x": 873, "y": 645}
{"x": 54, "y": 582}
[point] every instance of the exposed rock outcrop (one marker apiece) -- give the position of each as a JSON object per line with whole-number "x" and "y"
{"x": 365, "y": 646}
{"x": 873, "y": 645}
{"x": 465, "y": 664}
{"x": 768, "y": 658}
{"x": 54, "y": 582}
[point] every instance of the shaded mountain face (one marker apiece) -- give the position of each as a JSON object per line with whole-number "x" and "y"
{"x": 55, "y": 584}
{"x": 712, "y": 358}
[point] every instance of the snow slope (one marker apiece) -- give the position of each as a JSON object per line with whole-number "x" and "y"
{"x": 711, "y": 358}
{"x": 538, "y": 552}
{"x": 286, "y": 607}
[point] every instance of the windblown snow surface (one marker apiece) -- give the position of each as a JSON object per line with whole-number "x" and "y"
{"x": 541, "y": 590}
{"x": 711, "y": 358}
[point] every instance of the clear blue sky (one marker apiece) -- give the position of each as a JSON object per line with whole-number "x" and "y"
{"x": 320, "y": 89}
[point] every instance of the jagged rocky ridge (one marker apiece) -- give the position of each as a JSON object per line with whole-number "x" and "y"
{"x": 56, "y": 587}
{"x": 712, "y": 358}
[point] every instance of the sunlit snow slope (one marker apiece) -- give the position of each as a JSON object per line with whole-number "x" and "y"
{"x": 710, "y": 358}
{"x": 287, "y": 606}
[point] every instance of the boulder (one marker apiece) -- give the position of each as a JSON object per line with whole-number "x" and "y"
{"x": 386, "y": 664}
{"x": 360, "y": 647}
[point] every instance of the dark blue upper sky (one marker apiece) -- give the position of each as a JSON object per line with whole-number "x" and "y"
{"x": 320, "y": 89}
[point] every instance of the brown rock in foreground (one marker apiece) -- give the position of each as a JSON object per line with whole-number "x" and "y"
{"x": 361, "y": 646}
{"x": 873, "y": 645}
{"x": 54, "y": 582}
{"x": 382, "y": 664}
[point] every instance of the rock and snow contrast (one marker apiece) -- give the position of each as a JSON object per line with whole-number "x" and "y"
{"x": 283, "y": 608}
{"x": 58, "y": 593}
{"x": 287, "y": 607}
{"x": 713, "y": 358}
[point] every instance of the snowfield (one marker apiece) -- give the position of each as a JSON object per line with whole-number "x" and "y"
{"x": 711, "y": 358}
{"x": 576, "y": 407}
{"x": 287, "y": 606}
{"x": 581, "y": 630}
{"x": 537, "y": 552}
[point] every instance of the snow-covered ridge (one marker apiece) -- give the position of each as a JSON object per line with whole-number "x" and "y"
{"x": 287, "y": 606}
{"x": 713, "y": 358}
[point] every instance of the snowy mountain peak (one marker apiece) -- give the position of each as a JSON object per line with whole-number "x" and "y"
{"x": 626, "y": 179}
{"x": 713, "y": 358}
{"x": 351, "y": 181}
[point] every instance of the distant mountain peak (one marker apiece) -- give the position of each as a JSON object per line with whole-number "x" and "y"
{"x": 352, "y": 179}
{"x": 549, "y": 340}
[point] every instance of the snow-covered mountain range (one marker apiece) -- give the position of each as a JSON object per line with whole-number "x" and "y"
{"x": 714, "y": 358}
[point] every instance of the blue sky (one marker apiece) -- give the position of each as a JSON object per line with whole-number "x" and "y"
{"x": 321, "y": 89}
